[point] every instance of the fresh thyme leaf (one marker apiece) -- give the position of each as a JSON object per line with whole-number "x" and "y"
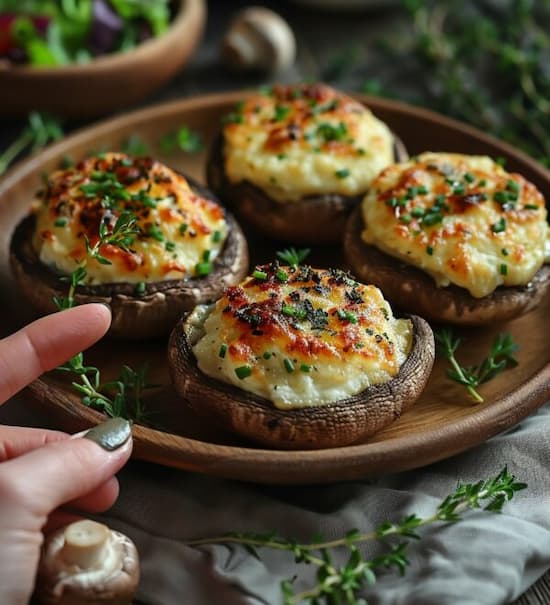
{"x": 184, "y": 138}
{"x": 501, "y": 357}
{"x": 40, "y": 130}
{"x": 343, "y": 583}
{"x": 134, "y": 145}
{"x": 293, "y": 257}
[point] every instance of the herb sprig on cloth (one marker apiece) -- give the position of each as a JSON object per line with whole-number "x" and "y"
{"x": 342, "y": 583}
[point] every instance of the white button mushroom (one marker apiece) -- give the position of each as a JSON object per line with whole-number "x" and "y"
{"x": 86, "y": 563}
{"x": 259, "y": 39}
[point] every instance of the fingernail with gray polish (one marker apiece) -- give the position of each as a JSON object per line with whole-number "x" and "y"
{"x": 111, "y": 434}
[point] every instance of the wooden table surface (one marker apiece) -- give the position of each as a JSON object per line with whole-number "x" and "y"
{"x": 326, "y": 42}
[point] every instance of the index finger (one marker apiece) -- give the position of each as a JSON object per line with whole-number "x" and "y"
{"x": 47, "y": 343}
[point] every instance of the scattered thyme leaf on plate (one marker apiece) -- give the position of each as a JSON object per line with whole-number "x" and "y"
{"x": 501, "y": 356}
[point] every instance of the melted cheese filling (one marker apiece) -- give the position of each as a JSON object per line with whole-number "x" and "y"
{"x": 305, "y": 140}
{"x": 462, "y": 219}
{"x": 178, "y": 232}
{"x": 300, "y": 337}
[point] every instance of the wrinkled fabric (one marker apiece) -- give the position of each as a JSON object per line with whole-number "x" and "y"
{"x": 485, "y": 559}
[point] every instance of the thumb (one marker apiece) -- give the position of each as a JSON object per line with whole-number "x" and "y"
{"x": 40, "y": 481}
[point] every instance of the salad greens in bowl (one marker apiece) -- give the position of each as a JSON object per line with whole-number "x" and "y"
{"x": 82, "y": 58}
{"x": 57, "y": 32}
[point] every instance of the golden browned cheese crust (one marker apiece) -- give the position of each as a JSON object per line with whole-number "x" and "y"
{"x": 297, "y": 141}
{"x": 179, "y": 232}
{"x": 463, "y": 219}
{"x": 301, "y": 336}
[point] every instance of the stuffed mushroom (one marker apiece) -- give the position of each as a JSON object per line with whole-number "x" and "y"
{"x": 300, "y": 358}
{"x": 293, "y": 161}
{"x": 454, "y": 238}
{"x": 132, "y": 233}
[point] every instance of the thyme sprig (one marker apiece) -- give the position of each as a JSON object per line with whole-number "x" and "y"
{"x": 40, "y": 130}
{"x": 122, "y": 396}
{"x": 343, "y": 583}
{"x": 293, "y": 257}
{"x": 501, "y": 357}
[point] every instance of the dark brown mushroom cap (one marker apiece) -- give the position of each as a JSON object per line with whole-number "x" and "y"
{"x": 316, "y": 219}
{"x": 331, "y": 425}
{"x": 135, "y": 315}
{"x": 414, "y": 291}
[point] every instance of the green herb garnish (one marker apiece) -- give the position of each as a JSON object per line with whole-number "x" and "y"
{"x": 338, "y": 583}
{"x": 293, "y": 257}
{"x": 243, "y": 372}
{"x": 501, "y": 357}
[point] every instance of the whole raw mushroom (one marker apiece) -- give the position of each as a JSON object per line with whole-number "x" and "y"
{"x": 259, "y": 39}
{"x": 86, "y": 563}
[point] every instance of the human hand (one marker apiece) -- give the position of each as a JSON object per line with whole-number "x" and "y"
{"x": 40, "y": 470}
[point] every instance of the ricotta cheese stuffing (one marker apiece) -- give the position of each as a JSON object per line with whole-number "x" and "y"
{"x": 300, "y": 337}
{"x": 297, "y": 141}
{"x": 462, "y": 219}
{"x": 178, "y": 235}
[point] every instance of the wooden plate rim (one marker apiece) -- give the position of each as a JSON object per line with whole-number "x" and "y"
{"x": 288, "y": 467}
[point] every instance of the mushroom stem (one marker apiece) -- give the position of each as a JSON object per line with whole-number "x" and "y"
{"x": 85, "y": 544}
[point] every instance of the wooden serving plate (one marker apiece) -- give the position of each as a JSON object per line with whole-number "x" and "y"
{"x": 442, "y": 423}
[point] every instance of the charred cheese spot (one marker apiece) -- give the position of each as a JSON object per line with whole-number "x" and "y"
{"x": 305, "y": 140}
{"x": 301, "y": 337}
{"x": 178, "y": 229}
{"x": 462, "y": 219}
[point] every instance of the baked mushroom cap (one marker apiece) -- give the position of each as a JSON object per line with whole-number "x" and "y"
{"x": 86, "y": 563}
{"x": 147, "y": 311}
{"x": 314, "y": 218}
{"x": 413, "y": 290}
{"x": 335, "y": 424}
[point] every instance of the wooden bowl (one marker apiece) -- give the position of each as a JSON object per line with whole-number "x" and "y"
{"x": 443, "y": 421}
{"x": 108, "y": 83}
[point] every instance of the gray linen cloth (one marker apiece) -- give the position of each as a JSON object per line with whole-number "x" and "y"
{"x": 485, "y": 559}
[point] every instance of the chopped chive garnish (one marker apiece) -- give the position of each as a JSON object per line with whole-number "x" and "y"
{"x": 342, "y": 173}
{"x": 155, "y": 233}
{"x": 531, "y": 207}
{"x": 392, "y": 202}
{"x": 429, "y": 250}
{"x": 170, "y": 246}
{"x": 417, "y": 212}
{"x": 513, "y": 186}
{"x": 288, "y": 310}
{"x": 432, "y": 218}
{"x": 140, "y": 288}
{"x": 440, "y": 199}
{"x": 289, "y": 366}
{"x": 469, "y": 177}
{"x": 459, "y": 189}
{"x": 504, "y": 252}
{"x": 482, "y": 183}
{"x": 501, "y": 197}
{"x": 405, "y": 218}
{"x": 267, "y": 355}
{"x": 500, "y": 161}
{"x": 422, "y": 190}
{"x": 222, "y": 351}
{"x": 243, "y": 372}
{"x": 183, "y": 228}
{"x": 281, "y": 275}
{"x": 503, "y": 269}
{"x": 281, "y": 112}
{"x": 347, "y": 315}
{"x": 60, "y": 222}
{"x": 281, "y": 156}
{"x": 216, "y": 236}
{"x": 499, "y": 227}
{"x": 304, "y": 367}
{"x": 361, "y": 151}
{"x": 206, "y": 256}
{"x": 202, "y": 269}
{"x": 261, "y": 275}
